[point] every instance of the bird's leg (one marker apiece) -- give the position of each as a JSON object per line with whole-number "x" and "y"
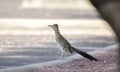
{"x": 62, "y": 53}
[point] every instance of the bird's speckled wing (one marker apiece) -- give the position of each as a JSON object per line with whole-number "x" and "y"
{"x": 65, "y": 44}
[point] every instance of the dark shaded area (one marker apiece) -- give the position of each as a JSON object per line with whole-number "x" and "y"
{"x": 110, "y": 11}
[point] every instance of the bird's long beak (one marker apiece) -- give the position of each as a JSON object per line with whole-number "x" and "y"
{"x": 50, "y": 25}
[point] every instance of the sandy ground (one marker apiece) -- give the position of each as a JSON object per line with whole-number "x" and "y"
{"x": 107, "y": 63}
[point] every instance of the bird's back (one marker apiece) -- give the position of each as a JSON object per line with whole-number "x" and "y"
{"x": 64, "y": 43}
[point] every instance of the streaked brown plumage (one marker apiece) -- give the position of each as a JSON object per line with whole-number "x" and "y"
{"x": 66, "y": 45}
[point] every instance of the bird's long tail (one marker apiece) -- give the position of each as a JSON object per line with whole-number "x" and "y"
{"x": 84, "y": 54}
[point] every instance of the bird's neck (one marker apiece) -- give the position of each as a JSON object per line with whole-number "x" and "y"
{"x": 57, "y": 33}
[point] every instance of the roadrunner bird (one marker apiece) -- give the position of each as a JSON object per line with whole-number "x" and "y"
{"x": 66, "y": 45}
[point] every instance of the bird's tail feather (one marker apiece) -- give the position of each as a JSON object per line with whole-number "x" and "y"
{"x": 84, "y": 54}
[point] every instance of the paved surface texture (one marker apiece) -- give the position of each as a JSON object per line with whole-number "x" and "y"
{"x": 11, "y": 9}
{"x": 107, "y": 63}
{"x": 20, "y": 50}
